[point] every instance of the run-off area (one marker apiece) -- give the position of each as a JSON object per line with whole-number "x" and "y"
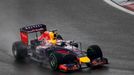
{"x": 124, "y": 5}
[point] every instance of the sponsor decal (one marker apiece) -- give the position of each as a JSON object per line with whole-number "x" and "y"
{"x": 63, "y": 51}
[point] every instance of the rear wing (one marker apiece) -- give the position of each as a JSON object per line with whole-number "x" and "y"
{"x": 33, "y": 28}
{"x": 24, "y": 31}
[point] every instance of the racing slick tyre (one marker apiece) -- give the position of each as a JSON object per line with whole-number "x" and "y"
{"x": 53, "y": 61}
{"x": 94, "y": 52}
{"x": 19, "y": 50}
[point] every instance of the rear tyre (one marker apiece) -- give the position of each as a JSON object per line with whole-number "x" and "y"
{"x": 19, "y": 50}
{"x": 94, "y": 52}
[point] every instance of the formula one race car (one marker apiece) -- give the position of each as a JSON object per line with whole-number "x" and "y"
{"x": 45, "y": 46}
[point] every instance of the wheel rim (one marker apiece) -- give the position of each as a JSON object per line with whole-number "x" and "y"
{"x": 14, "y": 51}
{"x": 53, "y": 62}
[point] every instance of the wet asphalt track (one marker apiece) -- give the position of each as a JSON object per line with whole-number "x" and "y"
{"x": 87, "y": 21}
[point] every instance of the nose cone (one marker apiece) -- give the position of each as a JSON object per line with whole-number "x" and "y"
{"x": 84, "y": 59}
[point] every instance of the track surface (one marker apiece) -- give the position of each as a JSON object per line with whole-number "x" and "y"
{"x": 88, "y": 21}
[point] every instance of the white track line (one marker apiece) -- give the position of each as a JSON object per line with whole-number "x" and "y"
{"x": 119, "y": 7}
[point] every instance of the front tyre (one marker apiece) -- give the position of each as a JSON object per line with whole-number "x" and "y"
{"x": 94, "y": 52}
{"x": 53, "y": 62}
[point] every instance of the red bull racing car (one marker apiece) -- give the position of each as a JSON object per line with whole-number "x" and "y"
{"x": 49, "y": 47}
